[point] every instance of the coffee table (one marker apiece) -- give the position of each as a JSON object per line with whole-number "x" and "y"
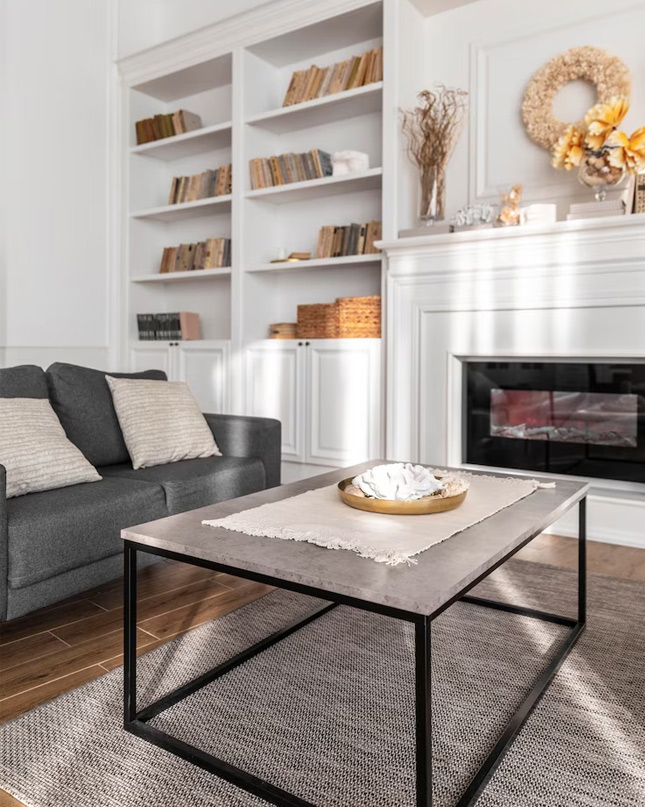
{"x": 445, "y": 573}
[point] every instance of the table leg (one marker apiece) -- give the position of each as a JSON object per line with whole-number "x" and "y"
{"x": 130, "y": 635}
{"x": 582, "y": 561}
{"x": 423, "y": 711}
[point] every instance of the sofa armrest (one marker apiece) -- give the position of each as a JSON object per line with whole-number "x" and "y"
{"x": 261, "y": 438}
{"x": 4, "y": 544}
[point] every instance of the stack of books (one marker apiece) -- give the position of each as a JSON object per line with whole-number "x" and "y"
{"x": 282, "y": 330}
{"x": 595, "y": 210}
{"x": 216, "y": 182}
{"x": 266, "y": 172}
{"x": 211, "y": 254}
{"x": 354, "y": 239}
{"x": 178, "y": 325}
{"x": 316, "y": 82}
{"x": 174, "y": 123}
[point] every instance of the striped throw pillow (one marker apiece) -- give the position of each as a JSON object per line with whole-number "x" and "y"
{"x": 161, "y": 422}
{"x": 35, "y": 450}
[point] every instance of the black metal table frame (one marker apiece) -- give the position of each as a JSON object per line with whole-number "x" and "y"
{"x": 137, "y": 721}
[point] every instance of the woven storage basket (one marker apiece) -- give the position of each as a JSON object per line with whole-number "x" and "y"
{"x": 359, "y": 317}
{"x": 319, "y": 321}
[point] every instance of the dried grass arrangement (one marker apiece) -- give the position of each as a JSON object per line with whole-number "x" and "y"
{"x": 432, "y": 129}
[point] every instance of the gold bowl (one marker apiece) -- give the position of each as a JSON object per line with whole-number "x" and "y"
{"x": 418, "y": 507}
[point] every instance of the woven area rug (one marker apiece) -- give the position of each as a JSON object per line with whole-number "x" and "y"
{"x": 328, "y": 713}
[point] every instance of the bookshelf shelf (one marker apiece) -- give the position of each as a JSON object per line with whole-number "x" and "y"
{"x": 317, "y": 188}
{"x": 187, "y": 210}
{"x": 199, "y": 141}
{"x": 182, "y": 277}
{"x": 318, "y": 263}
{"x": 330, "y": 108}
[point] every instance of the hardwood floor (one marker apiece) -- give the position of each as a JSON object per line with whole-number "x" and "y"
{"x": 47, "y": 653}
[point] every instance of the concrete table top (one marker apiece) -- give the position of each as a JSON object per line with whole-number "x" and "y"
{"x": 442, "y": 574}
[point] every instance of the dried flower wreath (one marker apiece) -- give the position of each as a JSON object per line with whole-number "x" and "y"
{"x": 608, "y": 73}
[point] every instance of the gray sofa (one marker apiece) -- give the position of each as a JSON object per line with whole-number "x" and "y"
{"x": 60, "y": 542}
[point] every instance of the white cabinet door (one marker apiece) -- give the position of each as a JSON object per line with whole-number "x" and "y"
{"x": 151, "y": 357}
{"x": 343, "y": 401}
{"x": 204, "y": 367}
{"x": 275, "y": 383}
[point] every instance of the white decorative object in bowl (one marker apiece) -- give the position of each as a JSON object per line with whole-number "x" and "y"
{"x": 349, "y": 162}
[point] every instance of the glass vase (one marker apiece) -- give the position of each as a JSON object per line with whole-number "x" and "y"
{"x": 433, "y": 193}
{"x": 596, "y": 172}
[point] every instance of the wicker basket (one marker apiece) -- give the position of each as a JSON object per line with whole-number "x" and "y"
{"x": 319, "y": 321}
{"x": 359, "y": 317}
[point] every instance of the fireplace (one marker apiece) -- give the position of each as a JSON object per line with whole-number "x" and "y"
{"x": 584, "y": 419}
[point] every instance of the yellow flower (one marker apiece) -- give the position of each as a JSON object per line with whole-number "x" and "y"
{"x": 603, "y": 119}
{"x": 628, "y": 152}
{"x": 569, "y": 150}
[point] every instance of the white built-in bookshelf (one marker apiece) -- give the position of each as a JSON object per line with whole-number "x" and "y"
{"x": 238, "y": 94}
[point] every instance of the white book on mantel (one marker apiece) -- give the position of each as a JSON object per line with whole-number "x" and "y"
{"x": 601, "y": 214}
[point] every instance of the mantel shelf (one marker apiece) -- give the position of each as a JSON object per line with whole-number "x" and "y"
{"x": 208, "y": 138}
{"x": 329, "y": 108}
{"x": 318, "y": 263}
{"x": 316, "y": 188}
{"x": 187, "y": 210}
{"x": 179, "y": 277}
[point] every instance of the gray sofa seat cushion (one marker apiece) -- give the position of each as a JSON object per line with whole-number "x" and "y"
{"x": 83, "y": 402}
{"x": 25, "y": 381}
{"x": 196, "y": 483}
{"x": 57, "y": 530}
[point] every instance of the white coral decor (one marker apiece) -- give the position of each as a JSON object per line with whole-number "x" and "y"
{"x": 398, "y": 481}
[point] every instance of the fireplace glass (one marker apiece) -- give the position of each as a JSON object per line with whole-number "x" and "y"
{"x": 557, "y": 417}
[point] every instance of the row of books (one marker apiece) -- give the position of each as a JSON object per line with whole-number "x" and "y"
{"x": 211, "y": 254}
{"x": 177, "y": 325}
{"x": 214, "y": 182}
{"x": 169, "y": 125}
{"x": 353, "y": 239}
{"x": 266, "y": 172}
{"x": 316, "y": 82}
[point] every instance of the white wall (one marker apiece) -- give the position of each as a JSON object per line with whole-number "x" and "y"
{"x": 56, "y": 96}
{"x": 493, "y": 48}
{"x": 146, "y": 23}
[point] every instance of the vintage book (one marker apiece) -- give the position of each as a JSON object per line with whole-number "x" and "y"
{"x": 311, "y": 76}
{"x": 639, "y": 205}
{"x": 300, "y": 85}
{"x": 289, "y": 93}
{"x": 315, "y": 87}
{"x": 185, "y": 121}
{"x": 174, "y": 186}
{"x": 339, "y": 75}
{"x": 142, "y": 135}
{"x": 189, "y": 326}
{"x": 360, "y": 243}
{"x": 325, "y": 82}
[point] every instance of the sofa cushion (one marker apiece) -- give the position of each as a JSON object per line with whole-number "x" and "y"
{"x": 82, "y": 400}
{"x": 26, "y": 381}
{"x": 58, "y": 530}
{"x": 196, "y": 483}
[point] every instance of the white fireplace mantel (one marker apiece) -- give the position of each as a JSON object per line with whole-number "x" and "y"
{"x": 572, "y": 290}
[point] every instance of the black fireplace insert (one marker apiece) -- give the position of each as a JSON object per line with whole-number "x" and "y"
{"x": 585, "y": 419}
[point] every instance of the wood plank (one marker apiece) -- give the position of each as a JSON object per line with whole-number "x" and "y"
{"x": 108, "y": 621}
{"x": 117, "y": 661}
{"x": 182, "y": 619}
{"x": 153, "y": 580}
{"x": 29, "y": 649}
{"x": 47, "y": 618}
{"x": 33, "y": 673}
{"x": 8, "y": 801}
{"x": 29, "y": 699}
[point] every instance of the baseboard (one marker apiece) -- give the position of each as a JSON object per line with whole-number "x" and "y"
{"x": 98, "y": 357}
{"x": 611, "y": 520}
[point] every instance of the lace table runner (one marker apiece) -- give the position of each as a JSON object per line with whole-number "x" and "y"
{"x": 321, "y": 518}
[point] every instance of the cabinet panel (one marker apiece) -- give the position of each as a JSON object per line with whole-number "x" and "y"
{"x": 344, "y": 401}
{"x": 151, "y": 357}
{"x": 275, "y": 388}
{"x": 205, "y": 369}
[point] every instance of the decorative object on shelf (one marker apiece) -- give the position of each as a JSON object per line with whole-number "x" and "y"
{"x": 170, "y": 125}
{"x": 349, "y": 162}
{"x": 596, "y": 210}
{"x": 293, "y": 257}
{"x": 282, "y": 330}
{"x": 509, "y": 214}
{"x": 539, "y": 214}
{"x": 602, "y": 153}
{"x": 346, "y": 318}
{"x": 267, "y": 172}
{"x": 214, "y": 182}
{"x": 214, "y": 253}
{"x": 353, "y": 239}
{"x": 474, "y": 217}
{"x": 438, "y": 228}
{"x": 181, "y": 325}
{"x": 609, "y": 74}
{"x": 316, "y": 82}
{"x": 432, "y": 129}
{"x": 640, "y": 194}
